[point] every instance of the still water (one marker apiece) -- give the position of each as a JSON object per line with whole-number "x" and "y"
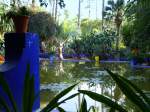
{"x": 59, "y": 75}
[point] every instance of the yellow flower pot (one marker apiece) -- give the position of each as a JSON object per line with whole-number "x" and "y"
{"x": 97, "y": 58}
{"x": 97, "y": 64}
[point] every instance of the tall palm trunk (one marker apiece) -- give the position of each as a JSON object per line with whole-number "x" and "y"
{"x": 89, "y": 8}
{"x": 79, "y": 13}
{"x": 96, "y": 10}
{"x": 118, "y": 22}
{"x": 102, "y": 15}
{"x": 56, "y": 9}
{"x": 53, "y": 8}
{"x": 117, "y": 39}
{"x": 33, "y": 4}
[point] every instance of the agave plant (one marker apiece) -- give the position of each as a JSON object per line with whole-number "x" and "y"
{"x": 131, "y": 91}
{"x": 54, "y": 103}
{"x": 28, "y": 94}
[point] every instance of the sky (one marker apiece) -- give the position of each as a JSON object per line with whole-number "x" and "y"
{"x": 72, "y": 9}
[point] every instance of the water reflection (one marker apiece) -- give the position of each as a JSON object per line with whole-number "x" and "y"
{"x": 59, "y": 75}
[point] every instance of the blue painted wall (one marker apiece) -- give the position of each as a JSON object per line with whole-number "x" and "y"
{"x": 21, "y": 49}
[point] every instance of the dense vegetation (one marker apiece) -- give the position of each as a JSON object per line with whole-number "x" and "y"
{"x": 129, "y": 23}
{"x": 123, "y": 32}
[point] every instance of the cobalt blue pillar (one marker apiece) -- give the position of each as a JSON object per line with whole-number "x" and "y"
{"x": 20, "y": 49}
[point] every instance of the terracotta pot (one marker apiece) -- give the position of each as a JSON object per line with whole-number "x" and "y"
{"x": 1, "y": 59}
{"x": 21, "y": 23}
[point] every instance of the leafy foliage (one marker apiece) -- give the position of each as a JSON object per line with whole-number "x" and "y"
{"x": 94, "y": 43}
{"x": 127, "y": 32}
{"x": 114, "y": 13}
{"x": 43, "y": 24}
{"x": 18, "y": 11}
{"x": 5, "y": 24}
{"x": 7, "y": 90}
{"x": 90, "y": 26}
{"x": 138, "y": 14}
{"x": 132, "y": 92}
{"x": 28, "y": 94}
{"x": 103, "y": 99}
{"x": 54, "y": 102}
{"x": 44, "y": 3}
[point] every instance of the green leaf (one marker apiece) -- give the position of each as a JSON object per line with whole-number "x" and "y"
{"x": 130, "y": 92}
{"x": 4, "y": 104}
{"x": 83, "y": 106}
{"x": 54, "y": 102}
{"x": 139, "y": 91}
{"x": 92, "y": 108}
{"x": 28, "y": 97}
{"x": 26, "y": 89}
{"x": 103, "y": 99}
{"x": 31, "y": 94}
{"x": 112, "y": 110}
{"x": 5, "y": 87}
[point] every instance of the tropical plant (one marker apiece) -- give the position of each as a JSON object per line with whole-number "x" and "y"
{"x": 90, "y": 26}
{"x": 137, "y": 13}
{"x": 54, "y": 103}
{"x": 142, "y": 25}
{"x": 64, "y": 33}
{"x": 5, "y": 24}
{"x": 18, "y": 11}
{"x": 28, "y": 94}
{"x": 46, "y": 22}
{"x": 83, "y": 107}
{"x": 131, "y": 91}
{"x": 114, "y": 12}
{"x": 94, "y": 43}
{"x": 127, "y": 33}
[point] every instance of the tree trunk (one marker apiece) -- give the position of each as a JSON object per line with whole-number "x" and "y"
{"x": 117, "y": 39}
{"x": 53, "y": 8}
{"x": 117, "y": 44}
{"x": 60, "y": 52}
{"x": 102, "y": 15}
{"x": 56, "y": 8}
{"x": 96, "y": 10}
{"x": 89, "y": 8}
{"x": 79, "y": 13}
{"x": 33, "y": 4}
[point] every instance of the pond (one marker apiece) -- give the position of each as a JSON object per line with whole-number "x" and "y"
{"x": 59, "y": 75}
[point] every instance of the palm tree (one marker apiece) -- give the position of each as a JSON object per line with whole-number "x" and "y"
{"x": 115, "y": 12}
{"x": 102, "y": 15}
{"x": 33, "y": 4}
{"x": 79, "y": 14}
